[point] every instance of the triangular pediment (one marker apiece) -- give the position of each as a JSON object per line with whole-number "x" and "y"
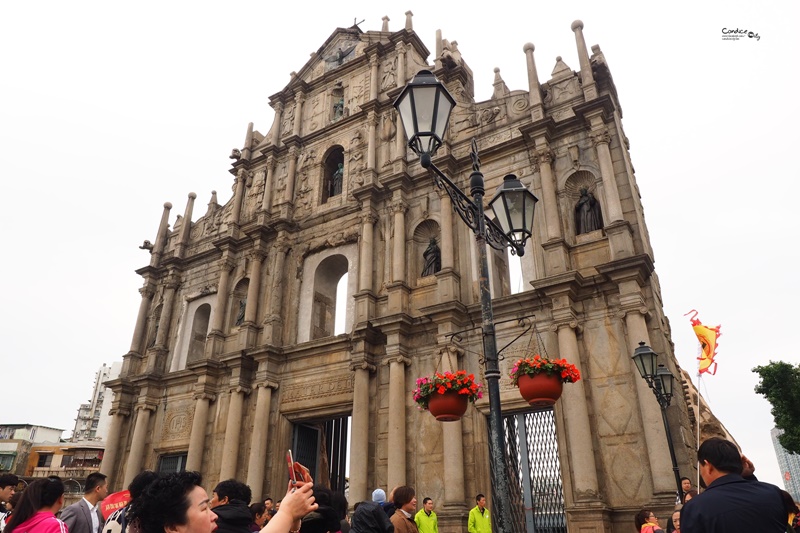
{"x": 340, "y": 48}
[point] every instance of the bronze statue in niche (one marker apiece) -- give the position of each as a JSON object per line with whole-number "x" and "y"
{"x": 432, "y": 257}
{"x": 588, "y": 216}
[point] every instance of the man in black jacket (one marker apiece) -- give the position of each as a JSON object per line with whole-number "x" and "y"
{"x": 230, "y": 502}
{"x": 731, "y": 503}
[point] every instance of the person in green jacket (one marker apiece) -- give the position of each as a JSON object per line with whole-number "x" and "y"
{"x": 426, "y": 519}
{"x": 479, "y": 521}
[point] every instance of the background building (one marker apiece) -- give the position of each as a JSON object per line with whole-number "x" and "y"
{"x": 789, "y": 464}
{"x": 93, "y": 418}
{"x": 16, "y": 441}
{"x": 234, "y": 358}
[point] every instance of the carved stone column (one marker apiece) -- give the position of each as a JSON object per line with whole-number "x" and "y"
{"x": 266, "y": 201}
{"x": 111, "y": 452}
{"x": 555, "y": 249}
{"x": 359, "y": 433}
{"x": 183, "y": 240}
{"x": 447, "y": 280}
{"x": 452, "y": 443}
{"x": 601, "y": 139}
{"x": 372, "y": 120}
{"x": 401, "y": 64}
{"x": 274, "y": 323}
{"x": 233, "y": 430}
{"x": 368, "y": 221}
{"x": 254, "y": 286}
{"x": 397, "y": 421}
{"x": 276, "y": 130}
{"x": 161, "y": 237}
{"x": 399, "y": 208}
{"x": 298, "y": 113}
{"x": 140, "y": 431}
{"x": 373, "y": 77}
{"x": 576, "y": 419}
{"x": 197, "y": 439}
{"x": 619, "y": 232}
{"x": 241, "y": 178}
{"x": 652, "y": 425}
{"x": 166, "y": 311}
{"x": 258, "y": 442}
{"x": 147, "y": 292}
{"x": 292, "y": 174}
{"x": 226, "y": 264}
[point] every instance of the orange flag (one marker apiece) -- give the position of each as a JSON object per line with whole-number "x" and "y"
{"x": 708, "y": 344}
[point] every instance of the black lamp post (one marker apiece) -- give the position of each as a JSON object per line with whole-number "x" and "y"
{"x": 661, "y": 381}
{"x": 424, "y": 107}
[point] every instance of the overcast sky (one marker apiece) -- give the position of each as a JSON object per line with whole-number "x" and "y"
{"x": 109, "y": 109}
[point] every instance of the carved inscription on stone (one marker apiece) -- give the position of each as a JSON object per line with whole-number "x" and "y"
{"x": 177, "y": 425}
{"x": 321, "y": 388}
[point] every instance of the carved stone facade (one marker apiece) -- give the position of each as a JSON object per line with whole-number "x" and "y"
{"x": 234, "y": 343}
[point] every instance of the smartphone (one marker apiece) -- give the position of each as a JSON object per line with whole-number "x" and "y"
{"x": 290, "y": 462}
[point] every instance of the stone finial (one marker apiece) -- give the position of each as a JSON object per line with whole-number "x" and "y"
{"x": 167, "y": 205}
{"x": 500, "y": 87}
{"x": 587, "y": 79}
{"x": 561, "y": 70}
{"x": 528, "y": 47}
{"x": 577, "y": 25}
{"x": 385, "y": 26}
{"x": 213, "y": 198}
{"x": 248, "y": 142}
{"x": 409, "y": 24}
{"x": 192, "y": 196}
{"x": 534, "y": 89}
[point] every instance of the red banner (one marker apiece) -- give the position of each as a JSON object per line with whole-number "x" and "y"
{"x": 114, "y": 502}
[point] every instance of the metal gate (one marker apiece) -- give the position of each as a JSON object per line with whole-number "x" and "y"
{"x": 323, "y": 449}
{"x": 534, "y": 467}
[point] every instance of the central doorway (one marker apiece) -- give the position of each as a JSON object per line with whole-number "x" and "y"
{"x": 324, "y": 448}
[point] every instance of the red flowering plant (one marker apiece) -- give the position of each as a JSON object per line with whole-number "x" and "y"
{"x": 440, "y": 383}
{"x": 537, "y": 364}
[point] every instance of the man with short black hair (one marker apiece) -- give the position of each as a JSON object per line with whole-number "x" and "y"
{"x": 84, "y": 516}
{"x": 479, "y": 521}
{"x": 426, "y": 519}
{"x": 8, "y": 486}
{"x": 230, "y": 500}
{"x": 731, "y": 503}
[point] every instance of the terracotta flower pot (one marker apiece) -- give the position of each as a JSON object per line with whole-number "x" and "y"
{"x": 541, "y": 390}
{"x": 448, "y": 407}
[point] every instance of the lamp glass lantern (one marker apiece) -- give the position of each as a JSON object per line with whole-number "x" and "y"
{"x": 666, "y": 381}
{"x": 513, "y": 205}
{"x": 424, "y": 107}
{"x": 645, "y": 359}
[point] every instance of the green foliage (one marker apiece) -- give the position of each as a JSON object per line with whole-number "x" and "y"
{"x": 780, "y": 385}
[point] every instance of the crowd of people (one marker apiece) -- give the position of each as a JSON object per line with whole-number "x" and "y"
{"x": 178, "y": 503}
{"x": 732, "y": 499}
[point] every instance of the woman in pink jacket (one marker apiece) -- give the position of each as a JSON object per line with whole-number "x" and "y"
{"x": 36, "y": 512}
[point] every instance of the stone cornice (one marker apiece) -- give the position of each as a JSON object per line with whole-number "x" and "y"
{"x": 638, "y": 268}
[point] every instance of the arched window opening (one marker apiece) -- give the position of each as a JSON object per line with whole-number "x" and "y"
{"x": 327, "y": 277}
{"x": 199, "y": 331}
{"x": 333, "y": 174}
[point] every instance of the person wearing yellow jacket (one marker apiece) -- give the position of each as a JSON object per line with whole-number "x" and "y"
{"x": 479, "y": 521}
{"x": 426, "y": 519}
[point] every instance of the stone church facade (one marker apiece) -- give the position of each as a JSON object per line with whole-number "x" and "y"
{"x": 234, "y": 346}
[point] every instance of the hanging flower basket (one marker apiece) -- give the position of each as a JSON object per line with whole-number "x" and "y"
{"x": 447, "y": 394}
{"x": 448, "y": 407}
{"x": 541, "y": 380}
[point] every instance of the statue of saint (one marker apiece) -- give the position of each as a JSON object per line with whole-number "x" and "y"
{"x": 588, "y": 216}
{"x": 432, "y": 257}
{"x": 336, "y": 180}
{"x": 242, "y": 307}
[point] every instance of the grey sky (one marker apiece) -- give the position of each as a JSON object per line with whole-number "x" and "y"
{"x": 108, "y": 110}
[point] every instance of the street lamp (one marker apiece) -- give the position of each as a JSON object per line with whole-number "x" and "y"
{"x": 424, "y": 107}
{"x": 661, "y": 380}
